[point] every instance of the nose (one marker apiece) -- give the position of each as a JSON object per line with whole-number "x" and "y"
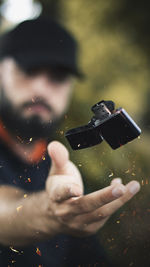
{"x": 41, "y": 84}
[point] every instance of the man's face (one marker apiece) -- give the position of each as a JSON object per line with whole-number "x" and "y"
{"x": 31, "y": 102}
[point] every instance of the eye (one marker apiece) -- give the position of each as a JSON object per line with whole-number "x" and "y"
{"x": 32, "y": 72}
{"x": 54, "y": 74}
{"x": 58, "y": 75}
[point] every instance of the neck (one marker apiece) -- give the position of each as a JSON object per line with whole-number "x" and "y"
{"x": 32, "y": 152}
{"x": 29, "y": 152}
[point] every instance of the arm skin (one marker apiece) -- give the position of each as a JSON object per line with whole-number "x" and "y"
{"x": 61, "y": 207}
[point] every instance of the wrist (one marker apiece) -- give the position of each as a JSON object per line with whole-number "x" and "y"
{"x": 43, "y": 222}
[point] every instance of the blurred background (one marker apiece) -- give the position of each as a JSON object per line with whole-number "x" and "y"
{"x": 114, "y": 39}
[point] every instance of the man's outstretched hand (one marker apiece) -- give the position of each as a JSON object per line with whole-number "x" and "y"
{"x": 73, "y": 212}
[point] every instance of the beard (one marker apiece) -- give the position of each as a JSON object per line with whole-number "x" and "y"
{"x": 26, "y": 128}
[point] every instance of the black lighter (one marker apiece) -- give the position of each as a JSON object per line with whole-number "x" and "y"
{"x": 114, "y": 126}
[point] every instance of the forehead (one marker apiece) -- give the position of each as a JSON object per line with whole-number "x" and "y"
{"x": 19, "y": 84}
{"x": 57, "y": 72}
{"x": 14, "y": 64}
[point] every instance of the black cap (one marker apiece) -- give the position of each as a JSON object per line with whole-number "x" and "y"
{"x": 41, "y": 42}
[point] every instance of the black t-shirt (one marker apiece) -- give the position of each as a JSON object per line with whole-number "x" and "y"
{"x": 60, "y": 251}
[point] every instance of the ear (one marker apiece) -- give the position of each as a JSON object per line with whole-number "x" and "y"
{"x": 1, "y": 63}
{"x": 6, "y": 66}
{"x": 3, "y": 66}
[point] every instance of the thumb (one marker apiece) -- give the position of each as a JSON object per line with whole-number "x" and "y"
{"x": 59, "y": 156}
{"x": 64, "y": 181}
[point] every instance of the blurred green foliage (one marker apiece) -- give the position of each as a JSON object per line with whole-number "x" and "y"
{"x": 117, "y": 68}
{"x": 114, "y": 55}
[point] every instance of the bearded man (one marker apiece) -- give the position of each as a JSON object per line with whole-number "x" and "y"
{"x": 45, "y": 218}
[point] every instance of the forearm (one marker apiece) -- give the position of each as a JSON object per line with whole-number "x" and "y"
{"x": 24, "y": 219}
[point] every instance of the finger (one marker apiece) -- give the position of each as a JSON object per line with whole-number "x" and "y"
{"x": 107, "y": 210}
{"x": 132, "y": 188}
{"x": 116, "y": 180}
{"x": 60, "y": 190}
{"x": 94, "y": 227}
{"x": 61, "y": 165}
{"x": 92, "y": 201}
{"x": 59, "y": 155}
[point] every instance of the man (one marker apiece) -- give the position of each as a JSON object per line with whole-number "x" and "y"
{"x": 45, "y": 218}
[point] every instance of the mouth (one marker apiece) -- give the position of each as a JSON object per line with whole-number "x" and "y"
{"x": 38, "y": 108}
